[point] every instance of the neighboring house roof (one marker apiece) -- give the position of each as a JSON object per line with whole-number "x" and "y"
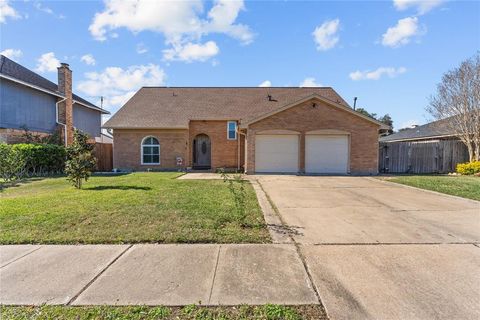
{"x": 13, "y": 71}
{"x": 174, "y": 107}
{"x": 432, "y": 130}
{"x": 104, "y": 138}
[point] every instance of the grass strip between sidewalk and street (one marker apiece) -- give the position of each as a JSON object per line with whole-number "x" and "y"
{"x": 244, "y": 312}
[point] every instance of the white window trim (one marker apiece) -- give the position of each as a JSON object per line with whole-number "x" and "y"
{"x": 228, "y": 130}
{"x": 150, "y": 145}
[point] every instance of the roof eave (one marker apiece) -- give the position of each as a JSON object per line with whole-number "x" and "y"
{"x": 422, "y": 138}
{"x": 105, "y": 126}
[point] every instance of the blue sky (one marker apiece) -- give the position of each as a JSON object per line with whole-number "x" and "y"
{"x": 390, "y": 54}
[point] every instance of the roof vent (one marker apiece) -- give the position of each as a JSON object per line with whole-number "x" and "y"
{"x": 269, "y": 97}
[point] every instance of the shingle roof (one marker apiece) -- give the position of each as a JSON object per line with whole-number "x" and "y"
{"x": 14, "y": 70}
{"x": 429, "y": 130}
{"x": 174, "y": 107}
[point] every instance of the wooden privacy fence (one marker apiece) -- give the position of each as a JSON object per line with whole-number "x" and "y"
{"x": 104, "y": 154}
{"x": 434, "y": 156}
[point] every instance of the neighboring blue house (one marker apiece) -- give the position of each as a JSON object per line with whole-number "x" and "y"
{"x": 29, "y": 100}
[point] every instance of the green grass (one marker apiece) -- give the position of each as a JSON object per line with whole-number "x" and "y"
{"x": 266, "y": 312}
{"x": 462, "y": 186}
{"x": 131, "y": 208}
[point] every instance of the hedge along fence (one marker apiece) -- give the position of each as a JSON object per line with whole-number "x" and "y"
{"x": 20, "y": 160}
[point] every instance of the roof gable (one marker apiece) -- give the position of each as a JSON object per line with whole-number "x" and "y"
{"x": 317, "y": 97}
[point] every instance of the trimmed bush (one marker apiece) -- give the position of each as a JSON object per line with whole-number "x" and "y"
{"x": 20, "y": 160}
{"x": 469, "y": 168}
{"x": 12, "y": 164}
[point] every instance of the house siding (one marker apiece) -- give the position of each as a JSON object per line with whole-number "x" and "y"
{"x": 127, "y": 148}
{"x": 23, "y": 106}
{"x": 87, "y": 120}
{"x": 304, "y": 118}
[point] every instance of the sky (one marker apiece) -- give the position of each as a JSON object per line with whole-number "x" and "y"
{"x": 389, "y": 54}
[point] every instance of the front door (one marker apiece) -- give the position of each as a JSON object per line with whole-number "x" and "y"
{"x": 202, "y": 152}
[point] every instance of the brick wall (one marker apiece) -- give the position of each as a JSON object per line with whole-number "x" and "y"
{"x": 224, "y": 151}
{"x": 127, "y": 148}
{"x": 303, "y": 118}
{"x": 12, "y": 136}
{"x": 65, "y": 108}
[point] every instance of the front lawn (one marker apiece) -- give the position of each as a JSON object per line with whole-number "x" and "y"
{"x": 264, "y": 312}
{"x": 131, "y": 208}
{"x": 462, "y": 186}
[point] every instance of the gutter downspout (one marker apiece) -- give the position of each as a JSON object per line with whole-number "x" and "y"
{"x": 238, "y": 144}
{"x": 58, "y": 122}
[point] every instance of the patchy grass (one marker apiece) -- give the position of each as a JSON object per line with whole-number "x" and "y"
{"x": 265, "y": 312}
{"x": 131, "y": 208}
{"x": 462, "y": 186}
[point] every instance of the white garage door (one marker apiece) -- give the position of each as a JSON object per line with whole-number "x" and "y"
{"x": 276, "y": 153}
{"x": 326, "y": 154}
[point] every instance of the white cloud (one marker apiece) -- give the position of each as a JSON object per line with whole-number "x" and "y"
{"x": 141, "y": 48}
{"x": 190, "y": 52}
{"x": 88, "y": 59}
{"x": 422, "y": 6}
{"x": 47, "y": 63}
{"x": 42, "y": 8}
{"x": 39, "y": 6}
{"x": 409, "y": 124}
{"x": 326, "y": 35}
{"x": 117, "y": 84}
{"x": 376, "y": 74}
{"x": 266, "y": 83}
{"x": 310, "y": 82}
{"x": 401, "y": 33}
{"x": 183, "y": 23}
{"x": 7, "y": 11}
{"x": 14, "y": 54}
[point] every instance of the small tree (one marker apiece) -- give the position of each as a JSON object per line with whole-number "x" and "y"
{"x": 236, "y": 186}
{"x": 458, "y": 101}
{"x": 80, "y": 160}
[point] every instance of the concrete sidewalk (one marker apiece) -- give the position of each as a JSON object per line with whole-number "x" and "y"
{"x": 154, "y": 275}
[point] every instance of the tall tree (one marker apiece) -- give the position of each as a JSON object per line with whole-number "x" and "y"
{"x": 458, "y": 100}
{"x": 387, "y": 119}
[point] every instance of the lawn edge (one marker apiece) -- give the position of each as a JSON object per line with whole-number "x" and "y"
{"x": 378, "y": 178}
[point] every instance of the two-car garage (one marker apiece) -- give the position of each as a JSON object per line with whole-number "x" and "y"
{"x": 325, "y": 153}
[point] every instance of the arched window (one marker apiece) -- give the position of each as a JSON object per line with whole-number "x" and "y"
{"x": 150, "y": 151}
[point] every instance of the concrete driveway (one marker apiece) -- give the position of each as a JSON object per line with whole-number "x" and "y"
{"x": 378, "y": 250}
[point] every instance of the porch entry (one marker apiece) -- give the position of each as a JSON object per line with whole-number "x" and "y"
{"x": 202, "y": 152}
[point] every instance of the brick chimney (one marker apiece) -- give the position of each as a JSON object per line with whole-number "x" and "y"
{"x": 65, "y": 108}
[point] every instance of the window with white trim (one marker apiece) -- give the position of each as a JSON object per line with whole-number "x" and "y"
{"x": 150, "y": 150}
{"x": 232, "y": 130}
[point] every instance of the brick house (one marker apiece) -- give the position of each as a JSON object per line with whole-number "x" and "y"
{"x": 282, "y": 130}
{"x": 28, "y": 100}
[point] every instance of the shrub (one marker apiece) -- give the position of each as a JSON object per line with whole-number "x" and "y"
{"x": 42, "y": 159}
{"x": 81, "y": 161}
{"x": 12, "y": 163}
{"x": 469, "y": 168}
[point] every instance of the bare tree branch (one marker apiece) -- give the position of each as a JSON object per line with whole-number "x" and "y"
{"x": 458, "y": 101}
